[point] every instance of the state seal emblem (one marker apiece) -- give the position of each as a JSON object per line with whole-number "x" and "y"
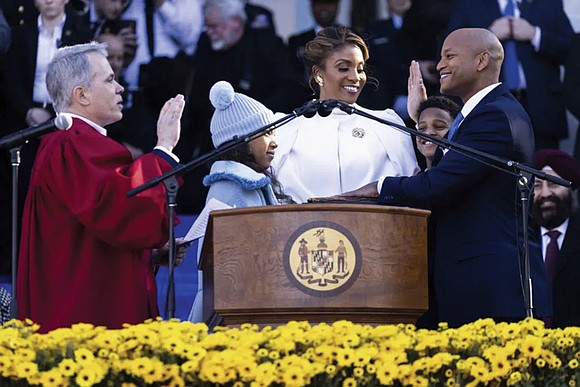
{"x": 322, "y": 258}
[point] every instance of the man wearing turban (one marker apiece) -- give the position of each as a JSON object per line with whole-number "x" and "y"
{"x": 555, "y": 212}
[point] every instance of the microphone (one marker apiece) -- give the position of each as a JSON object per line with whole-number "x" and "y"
{"x": 327, "y": 106}
{"x": 61, "y": 122}
{"x": 307, "y": 110}
{"x": 345, "y": 107}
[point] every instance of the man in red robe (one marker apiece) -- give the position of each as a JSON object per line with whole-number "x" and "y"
{"x": 85, "y": 246}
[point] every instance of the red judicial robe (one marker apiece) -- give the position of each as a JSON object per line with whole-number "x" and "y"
{"x": 84, "y": 251}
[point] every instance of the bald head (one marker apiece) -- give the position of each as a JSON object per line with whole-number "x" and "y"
{"x": 480, "y": 39}
{"x": 471, "y": 60}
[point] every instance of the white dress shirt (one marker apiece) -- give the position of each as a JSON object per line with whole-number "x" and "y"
{"x": 546, "y": 238}
{"x": 47, "y": 45}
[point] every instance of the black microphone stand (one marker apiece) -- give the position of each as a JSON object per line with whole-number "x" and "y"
{"x": 14, "y": 142}
{"x": 169, "y": 179}
{"x": 525, "y": 177}
{"x": 15, "y": 161}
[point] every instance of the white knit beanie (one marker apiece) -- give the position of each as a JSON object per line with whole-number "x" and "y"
{"x": 235, "y": 114}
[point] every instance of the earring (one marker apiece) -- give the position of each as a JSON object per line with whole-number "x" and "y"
{"x": 319, "y": 80}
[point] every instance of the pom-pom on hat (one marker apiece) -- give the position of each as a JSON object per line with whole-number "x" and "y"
{"x": 235, "y": 114}
{"x": 561, "y": 162}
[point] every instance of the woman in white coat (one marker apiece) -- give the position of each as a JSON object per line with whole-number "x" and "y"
{"x": 326, "y": 156}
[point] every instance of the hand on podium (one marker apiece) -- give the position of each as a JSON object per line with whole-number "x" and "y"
{"x": 366, "y": 193}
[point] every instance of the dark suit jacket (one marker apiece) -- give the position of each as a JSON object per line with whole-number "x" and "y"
{"x": 572, "y": 85}
{"x": 19, "y": 12}
{"x": 20, "y": 74}
{"x": 478, "y": 217}
{"x": 566, "y": 286}
{"x": 388, "y": 63}
{"x": 21, "y": 66}
{"x": 296, "y": 47}
{"x": 542, "y": 69}
{"x": 258, "y": 67}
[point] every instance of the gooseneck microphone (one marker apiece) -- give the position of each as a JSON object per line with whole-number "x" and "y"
{"x": 327, "y": 106}
{"x": 323, "y": 108}
{"x": 307, "y": 110}
{"x": 60, "y": 122}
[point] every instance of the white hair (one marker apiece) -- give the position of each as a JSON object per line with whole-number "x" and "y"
{"x": 69, "y": 68}
{"x": 227, "y": 8}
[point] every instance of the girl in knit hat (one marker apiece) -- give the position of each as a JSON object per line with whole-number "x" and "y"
{"x": 242, "y": 176}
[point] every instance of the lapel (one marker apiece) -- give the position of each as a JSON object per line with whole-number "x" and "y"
{"x": 571, "y": 245}
{"x": 526, "y": 8}
{"x": 491, "y": 96}
{"x": 68, "y": 32}
{"x": 491, "y": 9}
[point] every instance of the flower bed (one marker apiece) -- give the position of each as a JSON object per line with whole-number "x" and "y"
{"x": 173, "y": 353}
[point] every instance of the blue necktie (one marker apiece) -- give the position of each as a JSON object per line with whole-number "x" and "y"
{"x": 511, "y": 72}
{"x": 454, "y": 126}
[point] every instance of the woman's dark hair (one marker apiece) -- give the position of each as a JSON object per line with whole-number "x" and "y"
{"x": 329, "y": 40}
{"x": 243, "y": 155}
{"x": 440, "y": 102}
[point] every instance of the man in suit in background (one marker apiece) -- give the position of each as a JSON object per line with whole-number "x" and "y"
{"x": 389, "y": 60}
{"x": 27, "y": 100}
{"x": 479, "y": 235}
{"x": 254, "y": 61}
{"x": 536, "y": 34}
{"x": 556, "y": 214}
{"x": 572, "y": 86}
{"x": 324, "y": 13}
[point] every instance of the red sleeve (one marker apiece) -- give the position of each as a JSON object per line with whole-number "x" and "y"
{"x": 91, "y": 174}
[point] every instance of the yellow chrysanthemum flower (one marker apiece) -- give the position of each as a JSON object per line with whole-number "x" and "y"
{"x": 25, "y": 369}
{"x": 83, "y": 355}
{"x": 86, "y": 377}
{"x": 52, "y": 377}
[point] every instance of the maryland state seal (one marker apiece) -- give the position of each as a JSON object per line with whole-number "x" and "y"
{"x": 322, "y": 258}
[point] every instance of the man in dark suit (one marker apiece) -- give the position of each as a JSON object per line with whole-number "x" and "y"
{"x": 33, "y": 45}
{"x": 556, "y": 214}
{"x": 25, "y": 91}
{"x": 324, "y": 13}
{"x": 572, "y": 86}
{"x": 478, "y": 260}
{"x": 389, "y": 60}
{"x": 541, "y": 33}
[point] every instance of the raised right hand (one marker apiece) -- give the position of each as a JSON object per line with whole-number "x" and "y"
{"x": 416, "y": 90}
{"x": 169, "y": 122}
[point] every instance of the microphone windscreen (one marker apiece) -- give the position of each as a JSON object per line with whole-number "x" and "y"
{"x": 326, "y": 108}
{"x": 63, "y": 121}
{"x": 309, "y": 113}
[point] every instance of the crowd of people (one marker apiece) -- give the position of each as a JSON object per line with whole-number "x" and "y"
{"x": 150, "y": 84}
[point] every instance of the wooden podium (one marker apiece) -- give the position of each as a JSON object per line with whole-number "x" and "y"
{"x": 318, "y": 262}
